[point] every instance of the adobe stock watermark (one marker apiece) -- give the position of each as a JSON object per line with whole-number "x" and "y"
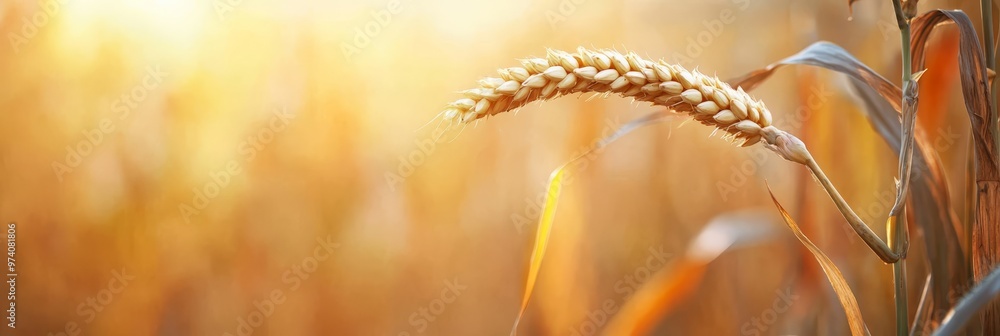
{"x": 564, "y": 9}
{"x": 944, "y": 139}
{"x": 248, "y": 149}
{"x": 533, "y": 206}
{"x": 47, "y": 11}
{"x": 626, "y": 286}
{"x": 741, "y": 172}
{"x": 92, "y": 305}
{"x": 424, "y": 316}
{"x": 123, "y": 107}
{"x": 224, "y": 7}
{"x": 713, "y": 29}
{"x": 292, "y": 280}
{"x": 363, "y": 35}
{"x": 409, "y": 162}
{"x": 889, "y": 30}
{"x": 765, "y": 320}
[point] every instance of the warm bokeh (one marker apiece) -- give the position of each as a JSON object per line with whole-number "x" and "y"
{"x": 181, "y": 167}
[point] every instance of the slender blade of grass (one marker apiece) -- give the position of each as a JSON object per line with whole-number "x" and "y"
{"x": 920, "y": 318}
{"x": 548, "y": 213}
{"x": 840, "y": 286}
{"x": 541, "y": 239}
{"x": 978, "y": 299}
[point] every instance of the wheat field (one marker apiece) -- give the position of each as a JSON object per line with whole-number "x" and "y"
{"x": 235, "y": 167}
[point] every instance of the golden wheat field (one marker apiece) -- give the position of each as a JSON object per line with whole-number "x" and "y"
{"x": 242, "y": 167}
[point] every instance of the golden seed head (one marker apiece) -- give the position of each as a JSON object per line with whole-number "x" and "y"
{"x": 536, "y": 81}
{"x": 636, "y": 77}
{"x": 519, "y": 74}
{"x": 672, "y": 87}
{"x": 490, "y": 94}
{"x": 651, "y": 88}
{"x": 707, "y": 91}
{"x": 490, "y": 82}
{"x": 752, "y": 140}
{"x": 505, "y": 74}
{"x": 786, "y": 145}
{"x": 474, "y": 94}
{"x": 606, "y": 76}
{"x": 464, "y": 103}
{"x": 748, "y": 127}
{"x": 549, "y": 89}
{"x": 634, "y": 61}
{"x": 618, "y": 61}
{"x": 469, "y": 116}
{"x": 586, "y": 72}
{"x": 663, "y": 73}
{"x": 555, "y": 73}
{"x": 567, "y": 82}
{"x": 650, "y": 75}
{"x": 482, "y": 106}
{"x": 632, "y": 91}
{"x": 522, "y": 93}
{"x": 601, "y": 61}
{"x": 707, "y": 108}
{"x": 719, "y": 96}
{"x": 585, "y": 55}
{"x": 691, "y": 96}
{"x": 535, "y": 65}
{"x": 739, "y": 109}
{"x": 725, "y": 117}
{"x": 685, "y": 78}
{"x": 710, "y": 100}
{"x": 619, "y": 83}
{"x": 509, "y": 87}
{"x": 765, "y": 117}
{"x": 568, "y": 61}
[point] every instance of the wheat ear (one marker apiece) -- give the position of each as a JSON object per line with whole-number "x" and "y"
{"x": 707, "y": 100}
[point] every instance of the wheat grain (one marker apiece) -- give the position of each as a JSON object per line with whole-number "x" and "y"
{"x": 708, "y": 100}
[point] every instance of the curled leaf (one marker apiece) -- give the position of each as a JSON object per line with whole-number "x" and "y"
{"x": 975, "y": 85}
{"x": 984, "y": 128}
{"x": 850, "y": 6}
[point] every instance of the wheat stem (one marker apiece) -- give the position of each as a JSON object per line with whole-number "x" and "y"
{"x": 707, "y": 100}
{"x": 897, "y": 231}
{"x": 874, "y": 242}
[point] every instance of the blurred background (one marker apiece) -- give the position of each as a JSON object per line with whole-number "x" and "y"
{"x": 243, "y": 167}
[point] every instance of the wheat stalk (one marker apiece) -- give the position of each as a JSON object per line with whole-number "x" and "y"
{"x": 706, "y": 99}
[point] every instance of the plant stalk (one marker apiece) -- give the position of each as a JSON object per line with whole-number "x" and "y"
{"x": 898, "y": 228}
{"x": 881, "y": 249}
{"x": 986, "y": 7}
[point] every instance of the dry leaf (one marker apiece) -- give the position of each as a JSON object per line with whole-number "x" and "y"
{"x": 669, "y": 287}
{"x": 929, "y": 199}
{"x": 840, "y": 286}
{"x": 979, "y": 298}
{"x": 976, "y": 93}
{"x": 552, "y": 191}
